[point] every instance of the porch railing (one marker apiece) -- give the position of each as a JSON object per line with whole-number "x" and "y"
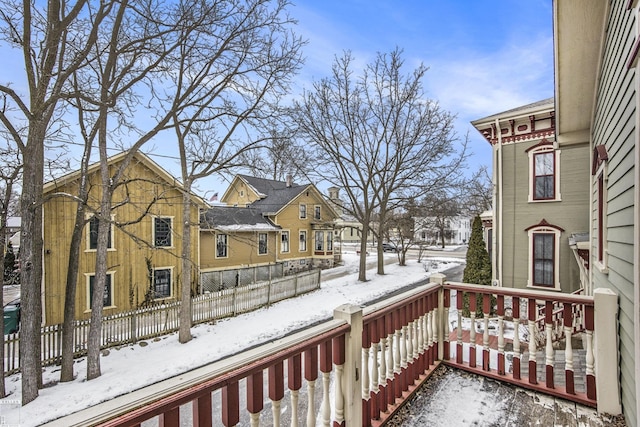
{"x": 370, "y": 361}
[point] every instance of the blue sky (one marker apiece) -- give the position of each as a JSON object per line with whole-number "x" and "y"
{"x": 484, "y": 56}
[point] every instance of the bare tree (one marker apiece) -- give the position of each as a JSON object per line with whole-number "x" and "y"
{"x": 232, "y": 72}
{"x": 10, "y": 169}
{"x": 42, "y": 34}
{"x": 378, "y": 137}
{"x": 282, "y": 155}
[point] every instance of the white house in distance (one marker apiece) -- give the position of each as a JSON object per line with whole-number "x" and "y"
{"x": 457, "y": 230}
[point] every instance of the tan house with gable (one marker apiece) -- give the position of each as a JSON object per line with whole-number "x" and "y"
{"x": 305, "y": 219}
{"x": 143, "y": 259}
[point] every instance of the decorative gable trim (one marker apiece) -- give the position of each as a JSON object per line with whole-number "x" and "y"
{"x": 544, "y": 223}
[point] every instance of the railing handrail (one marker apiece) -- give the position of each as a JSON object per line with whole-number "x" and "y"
{"x": 521, "y": 293}
{"x": 181, "y": 388}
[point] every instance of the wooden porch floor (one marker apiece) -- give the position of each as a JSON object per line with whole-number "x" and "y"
{"x": 452, "y": 397}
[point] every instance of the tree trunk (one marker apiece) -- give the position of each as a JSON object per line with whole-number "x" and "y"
{"x": 68, "y": 324}
{"x": 184, "y": 334}
{"x": 362, "y": 268}
{"x": 31, "y": 263}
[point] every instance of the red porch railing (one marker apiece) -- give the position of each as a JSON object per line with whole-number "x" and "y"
{"x": 479, "y": 345}
{"x": 358, "y": 368}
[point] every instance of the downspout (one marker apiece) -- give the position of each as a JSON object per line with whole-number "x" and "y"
{"x": 499, "y": 238}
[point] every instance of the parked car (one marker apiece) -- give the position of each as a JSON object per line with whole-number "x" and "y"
{"x": 11, "y": 314}
{"x": 389, "y": 247}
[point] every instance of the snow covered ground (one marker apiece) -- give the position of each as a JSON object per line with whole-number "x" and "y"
{"x": 131, "y": 367}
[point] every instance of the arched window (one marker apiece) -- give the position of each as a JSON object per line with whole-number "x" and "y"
{"x": 544, "y": 172}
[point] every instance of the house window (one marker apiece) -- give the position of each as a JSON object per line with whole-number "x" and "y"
{"x": 544, "y": 165}
{"x": 544, "y": 255}
{"x": 329, "y": 241}
{"x": 93, "y": 234}
{"x": 162, "y": 232}
{"x": 316, "y": 214}
{"x": 284, "y": 241}
{"x": 107, "y": 298}
{"x": 544, "y": 176}
{"x": 221, "y": 246}
{"x": 262, "y": 243}
{"x": 319, "y": 241}
{"x": 162, "y": 283}
{"x": 303, "y": 241}
{"x": 543, "y": 259}
{"x": 303, "y": 211}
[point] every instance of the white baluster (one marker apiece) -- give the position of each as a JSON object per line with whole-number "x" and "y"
{"x": 532, "y": 341}
{"x": 516, "y": 337}
{"x": 390, "y": 353}
{"x": 434, "y": 327}
{"x": 254, "y": 419}
{"x": 501, "y": 334}
{"x": 374, "y": 367}
{"x": 276, "y": 406}
{"x": 325, "y": 408}
{"x": 549, "y": 359}
{"x": 403, "y": 347}
{"x": 414, "y": 341}
{"x": 294, "y": 407}
{"x": 429, "y": 329}
{"x": 472, "y": 331}
{"x": 421, "y": 333}
{"x": 365, "y": 373}
{"x": 568, "y": 349}
{"x": 398, "y": 351}
{"x": 339, "y": 395}
{"x": 311, "y": 403}
{"x": 383, "y": 361}
{"x": 590, "y": 360}
{"x": 485, "y": 333}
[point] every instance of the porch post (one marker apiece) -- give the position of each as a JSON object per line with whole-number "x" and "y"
{"x": 442, "y": 321}
{"x": 352, "y": 384}
{"x": 605, "y": 303}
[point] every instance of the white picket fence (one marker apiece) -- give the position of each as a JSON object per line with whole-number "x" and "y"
{"x": 145, "y": 323}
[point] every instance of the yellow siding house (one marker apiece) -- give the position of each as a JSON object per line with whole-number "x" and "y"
{"x": 304, "y": 218}
{"x": 145, "y": 241}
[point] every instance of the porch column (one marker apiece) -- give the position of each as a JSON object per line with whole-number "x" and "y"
{"x": 352, "y": 383}
{"x": 605, "y": 303}
{"x": 442, "y": 321}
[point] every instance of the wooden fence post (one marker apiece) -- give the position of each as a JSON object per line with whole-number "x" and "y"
{"x": 605, "y": 303}
{"x": 352, "y": 383}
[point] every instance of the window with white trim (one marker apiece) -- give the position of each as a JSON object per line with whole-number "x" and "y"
{"x": 161, "y": 283}
{"x": 92, "y": 234}
{"x": 316, "y": 214}
{"x": 302, "y": 245}
{"x": 544, "y": 255}
{"x": 544, "y": 173}
{"x": 319, "y": 241}
{"x": 303, "y": 211}
{"x": 284, "y": 242}
{"x": 262, "y": 243}
{"x": 329, "y": 241}
{"x": 222, "y": 249}
{"x": 107, "y": 297}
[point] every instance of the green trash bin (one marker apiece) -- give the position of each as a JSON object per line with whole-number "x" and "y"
{"x": 11, "y": 319}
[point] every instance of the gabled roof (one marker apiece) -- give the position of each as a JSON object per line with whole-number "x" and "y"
{"x": 140, "y": 157}
{"x": 274, "y": 195}
{"x": 231, "y": 218}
